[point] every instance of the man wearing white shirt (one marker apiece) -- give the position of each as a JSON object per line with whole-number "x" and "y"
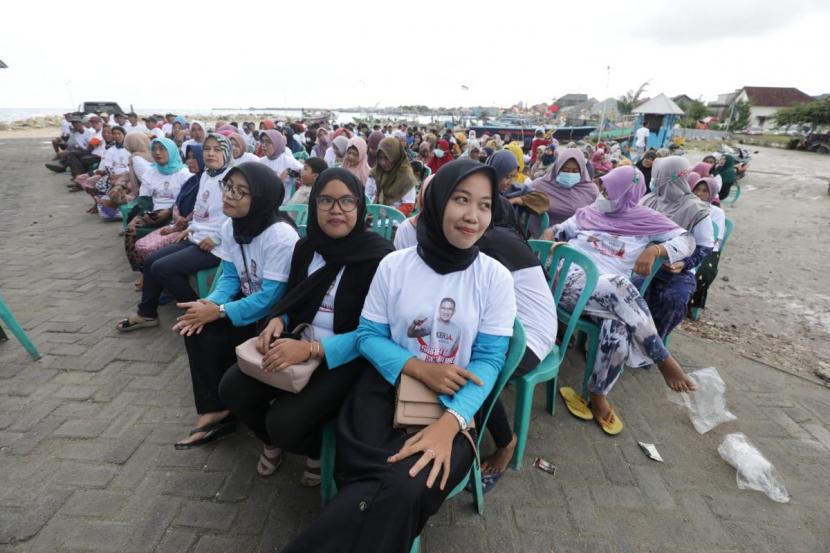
{"x": 641, "y": 139}
{"x": 167, "y": 128}
{"x": 78, "y": 142}
{"x": 81, "y": 160}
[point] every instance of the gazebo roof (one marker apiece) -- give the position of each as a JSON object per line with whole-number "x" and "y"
{"x": 660, "y": 104}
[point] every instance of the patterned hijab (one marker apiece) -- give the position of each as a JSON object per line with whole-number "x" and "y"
{"x": 227, "y": 155}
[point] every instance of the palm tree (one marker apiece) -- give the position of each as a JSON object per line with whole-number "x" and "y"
{"x": 630, "y": 99}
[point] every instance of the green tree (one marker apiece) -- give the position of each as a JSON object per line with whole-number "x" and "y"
{"x": 815, "y": 114}
{"x": 630, "y": 99}
{"x": 740, "y": 116}
{"x": 695, "y": 111}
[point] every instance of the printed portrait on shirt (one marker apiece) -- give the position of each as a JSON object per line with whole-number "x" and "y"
{"x": 202, "y": 210}
{"x": 438, "y": 337}
{"x": 607, "y": 245}
{"x": 250, "y": 278}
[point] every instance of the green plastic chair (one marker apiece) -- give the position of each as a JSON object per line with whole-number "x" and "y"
{"x": 302, "y": 155}
{"x": 298, "y": 212}
{"x": 515, "y": 351}
{"x": 525, "y": 217}
{"x": 542, "y": 249}
{"x": 734, "y": 194}
{"x": 548, "y": 369}
{"x": 589, "y": 331}
{"x": 124, "y": 209}
{"x": 208, "y": 275}
{"x": 384, "y": 219}
{"x": 10, "y": 321}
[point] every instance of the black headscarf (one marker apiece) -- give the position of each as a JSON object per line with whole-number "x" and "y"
{"x": 360, "y": 252}
{"x": 186, "y": 199}
{"x": 646, "y": 171}
{"x": 433, "y": 246}
{"x": 267, "y": 193}
{"x": 504, "y": 243}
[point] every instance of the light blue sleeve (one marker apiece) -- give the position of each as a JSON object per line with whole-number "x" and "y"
{"x": 340, "y": 348}
{"x": 486, "y": 362}
{"x": 256, "y": 306}
{"x": 374, "y": 342}
{"x": 228, "y": 286}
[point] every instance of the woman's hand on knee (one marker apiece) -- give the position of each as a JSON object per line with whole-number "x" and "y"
{"x": 435, "y": 445}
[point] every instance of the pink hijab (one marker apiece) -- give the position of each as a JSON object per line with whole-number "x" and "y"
{"x": 712, "y": 184}
{"x": 599, "y": 165}
{"x": 361, "y": 168}
{"x": 703, "y": 169}
{"x": 374, "y": 141}
{"x": 278, "y": 140}
{"x": 322, "y": 143}
{"x": 565, "y": 201}
{"x": 625, "y": 186}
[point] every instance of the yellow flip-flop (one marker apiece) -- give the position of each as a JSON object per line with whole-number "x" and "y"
{"x": 611, "y": 424}
{"x": 577, "y": 406}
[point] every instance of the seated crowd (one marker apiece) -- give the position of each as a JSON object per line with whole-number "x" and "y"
{"x": 437, "y": 304}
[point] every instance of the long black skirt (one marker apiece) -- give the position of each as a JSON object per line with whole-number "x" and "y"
{"x": 705, "y": 276}
{"x": 378, "y": 506}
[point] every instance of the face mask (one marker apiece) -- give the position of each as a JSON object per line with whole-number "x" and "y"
{"x": 605, "y": 205}
{"x": 439, "y": 153}
{"x": 548, "y": 159}
{"x": 568, "y": 180}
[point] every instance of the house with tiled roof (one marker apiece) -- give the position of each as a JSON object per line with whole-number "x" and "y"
{"x": 765, "y": 101}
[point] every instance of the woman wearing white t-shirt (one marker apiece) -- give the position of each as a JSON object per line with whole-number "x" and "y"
{"x": 255, "y": 248}
{"x": 171, "y": 267}
{"x": 331, "y": 270}
{"x": 392, "y": 179}
{"x": 391, "y": 482}
{"x": 407, "y": 233}
{"x": 240, "y": 150}
{"x": 620, "y": 237}
{"x": 277, "y": 156}
{"x": 160, "y": 185}
{"x": 198, "y": 132}
{"x": 707, "y": 190}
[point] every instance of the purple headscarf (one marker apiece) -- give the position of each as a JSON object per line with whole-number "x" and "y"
{"x": 702, "y": 168}
{"x": 322, "y": 144}
{"x": 624, "y": 185}
{"x": 278, "y": 140}
{"x": 373, "y": 142}
{"x": 565, "y": 201}
{"x": 712, "y": 184}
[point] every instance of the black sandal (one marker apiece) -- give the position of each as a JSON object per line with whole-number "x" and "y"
{"x": 213, "y": 432}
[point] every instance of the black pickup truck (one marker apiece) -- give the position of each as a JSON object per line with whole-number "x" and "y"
{"x": 100, "y": 107}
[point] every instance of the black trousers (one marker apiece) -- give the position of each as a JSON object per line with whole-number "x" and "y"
{"x": 705, "y": 276}
{"x": 79, "y": 162}
{"x": 170, "y": 269}
{"x": 724, "y": 190}
{"x": 210, "y": 354}
{"x": 378, "y": 506}
{"x": 498, "y": 424}
{"x": 293, "y": 422}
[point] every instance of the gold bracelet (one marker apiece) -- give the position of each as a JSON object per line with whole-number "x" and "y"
{"x": 310, "y": 350}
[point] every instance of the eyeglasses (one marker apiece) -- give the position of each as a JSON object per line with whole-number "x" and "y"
{"x": 346, "y": 203}
{"x": 234, "y": 191}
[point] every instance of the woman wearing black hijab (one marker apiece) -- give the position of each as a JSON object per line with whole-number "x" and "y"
{"x": 255, "y": 247}
{"x": 644, "y": 165}
{"x": 537, "y": 313}
{"x": 440, "y": 313}
{"x": 331, "y": 270}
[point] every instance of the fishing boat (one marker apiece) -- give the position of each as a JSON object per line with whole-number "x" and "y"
{"x": 526, "y": 133}
{"x": 323, "y": 116}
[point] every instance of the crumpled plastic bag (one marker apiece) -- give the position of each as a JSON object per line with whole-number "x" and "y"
{"x": 755, "y": 472}
{"x": 706, "y": 405}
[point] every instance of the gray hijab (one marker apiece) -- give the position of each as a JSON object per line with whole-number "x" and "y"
{"x": 672, "y": 196}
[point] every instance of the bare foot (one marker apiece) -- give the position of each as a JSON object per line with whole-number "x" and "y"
{"x": 600, "y": 406}
{"x": 674, "y": 376}
{"x": 203, "y": 421}
{"x": 497, "y": 461}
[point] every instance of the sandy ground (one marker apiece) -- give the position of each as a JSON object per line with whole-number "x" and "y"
{"x": 772, "y": 296}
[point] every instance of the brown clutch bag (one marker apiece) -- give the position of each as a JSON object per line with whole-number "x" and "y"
{"x": 291, "y": 379}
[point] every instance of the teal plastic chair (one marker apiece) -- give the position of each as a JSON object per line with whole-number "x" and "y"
{"x": 302, "y": 155}
{"x": 10, "y": 321}
{"x": 525, "y": 217}
{"x": 124, "y": 209}
{"x": 515, "y": 351}
{"x": 542, "y": 249}
{"x": 205, "y": 276}
{"x": 548, "y": 369}
{"x": 589, "y": 331}
{"x": 298, "y": 212}
{"x": 695, "y": 312}
{"x": 384, "y": 219}
{"x": 734, "y": 194}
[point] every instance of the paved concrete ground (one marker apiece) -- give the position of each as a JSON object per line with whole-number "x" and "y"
{"x": 86, "y": 433}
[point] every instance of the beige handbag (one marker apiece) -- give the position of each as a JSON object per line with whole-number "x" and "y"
{"x": 416, "y": 406}
{"x": 292, "y": 378}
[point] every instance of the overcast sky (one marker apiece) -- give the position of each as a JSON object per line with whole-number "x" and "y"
{"x": 168, "y": 54}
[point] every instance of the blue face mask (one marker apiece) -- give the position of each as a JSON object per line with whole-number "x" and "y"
{"x": 568, "y": 180}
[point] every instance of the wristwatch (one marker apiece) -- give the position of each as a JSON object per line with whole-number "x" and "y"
{"x": 222, "y": 313}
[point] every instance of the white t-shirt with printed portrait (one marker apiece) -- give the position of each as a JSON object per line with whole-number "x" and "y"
{"x": 323, "y": 322}
{"x": 437, "y": 317}
{"x": 163, "y": 188}
{"x": 208, "y": 217}
{"x": 268, "y": 256}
